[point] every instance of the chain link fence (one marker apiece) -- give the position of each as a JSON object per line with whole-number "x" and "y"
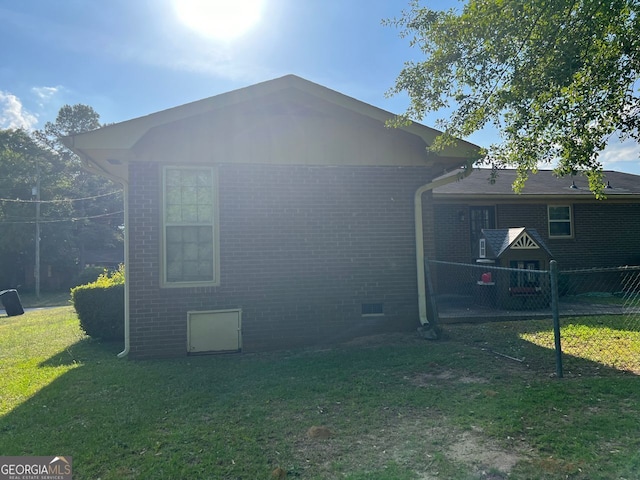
{"x": 578, "y": 322}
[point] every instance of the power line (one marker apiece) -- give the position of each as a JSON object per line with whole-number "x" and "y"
{"x": 60, "y": 220}
{"x": 65, "y": 200}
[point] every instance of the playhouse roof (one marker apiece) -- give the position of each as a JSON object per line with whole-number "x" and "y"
{"x": 499, "y": 240}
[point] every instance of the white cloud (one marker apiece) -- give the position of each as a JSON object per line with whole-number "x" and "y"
{"x": 621, "y": 155}
{"x": 45, "y": 94}
{"x": 13, "y": 114}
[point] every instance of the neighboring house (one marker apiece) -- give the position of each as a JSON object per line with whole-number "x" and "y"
{"x": 578, "y": 230}
{"x": 278, "y": 215}
{"x": 109, "y": 258}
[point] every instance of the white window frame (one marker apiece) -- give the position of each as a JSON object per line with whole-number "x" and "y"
{"x": 482, "y": 248}
{"x": 569, "y": 221}
{"x": 215, "y": 280}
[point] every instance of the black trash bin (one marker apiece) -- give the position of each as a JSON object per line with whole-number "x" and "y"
{"x": 11, "y": 302}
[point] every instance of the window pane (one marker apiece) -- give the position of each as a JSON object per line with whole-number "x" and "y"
{"x": 174, "y": 271}
{"x": 174, "y": 235}
{"x": 204, "y": 195}
{"x": 560, "y": 229}
{"x": 189, "y": 178}
{"x": 173, "y": 195}
{"x": 205, "y": 235}
{"x": 189, "y": 254}
{"x": 559, "y": 213}
{"x": 205, "y": 214}
{"x": 172, "y": 177}
{"x": 189, "y": 196}
{"x": 174, "y": 213}
{"x": 190, "y": 251}
{"x": 204, "y": 178}
{"x": 189, "y": 216}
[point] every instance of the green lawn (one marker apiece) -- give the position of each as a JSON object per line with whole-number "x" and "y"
{"x": 480, "y": 404}
{"x": 46, "y": 299}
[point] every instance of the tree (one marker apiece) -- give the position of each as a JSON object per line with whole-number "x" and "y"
{"x": 558, "y": 78}
{"x": 77, "y": 211}
{"x": 101, "y": 214}
{"x": 21, "y": 157}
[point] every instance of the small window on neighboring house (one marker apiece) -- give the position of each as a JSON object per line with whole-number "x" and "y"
{"x": 189, "y": 227}
{"x": 482, "y": 247}
{"x": 480, "y": 218}
{"x": 560, "y": 222}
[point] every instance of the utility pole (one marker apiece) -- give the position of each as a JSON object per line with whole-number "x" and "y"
{"x": 36, "y": 191}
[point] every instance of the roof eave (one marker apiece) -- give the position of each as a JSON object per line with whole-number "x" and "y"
{"x": 106, "y": 148}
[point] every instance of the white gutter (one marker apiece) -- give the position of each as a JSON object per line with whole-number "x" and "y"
{"x": 417, "y": 201}
{"x": 93, "y": 167}
{"x": 125, "y": 352}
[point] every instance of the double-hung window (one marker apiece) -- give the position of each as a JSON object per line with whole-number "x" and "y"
{"x": 560, "y": 221}
{"x": 189, "y": 226}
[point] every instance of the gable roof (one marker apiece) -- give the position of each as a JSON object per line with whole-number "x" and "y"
{"x": 107, "y": 150}
{"x": 542, "y": 184}
{"x": 499, "y": 240}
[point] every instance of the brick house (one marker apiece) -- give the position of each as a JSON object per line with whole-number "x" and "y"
{"x": 278, "y": 215}
{"x": 579, "y": 231}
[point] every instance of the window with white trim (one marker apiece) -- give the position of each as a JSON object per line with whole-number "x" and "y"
{"x": 560, "y": 221}
{"x": 189, "y": 230}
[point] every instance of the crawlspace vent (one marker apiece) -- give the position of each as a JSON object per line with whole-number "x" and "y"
{"x": 372, "y": 309}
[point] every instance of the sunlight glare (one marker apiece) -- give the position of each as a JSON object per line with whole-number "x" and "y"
{"x": 219, "y": 19}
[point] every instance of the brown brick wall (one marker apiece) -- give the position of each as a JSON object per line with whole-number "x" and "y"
{"x": 606, "y": 233}
{"x": 452, "y": 235}
{"x": 301, "y": 249}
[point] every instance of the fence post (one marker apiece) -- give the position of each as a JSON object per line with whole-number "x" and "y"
{"x": 553, "y": 274}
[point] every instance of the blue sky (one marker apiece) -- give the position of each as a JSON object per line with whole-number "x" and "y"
{"x": 128, "y": 58}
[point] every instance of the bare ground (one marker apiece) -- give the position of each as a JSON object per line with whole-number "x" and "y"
{"x": 411, "y": 441}
{"x": 420, "y": 441}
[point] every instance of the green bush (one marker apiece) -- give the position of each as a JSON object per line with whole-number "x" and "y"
{"x": 88, "y": 275}
{"x": 100, "y": 306}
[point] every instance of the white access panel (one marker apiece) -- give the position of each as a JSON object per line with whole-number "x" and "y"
{"x": 214, "y": 331}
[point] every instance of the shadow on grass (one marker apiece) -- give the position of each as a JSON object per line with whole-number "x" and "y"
{"x": 120, "y": 419}
{"x": 83, "y": 351}
{"x": 592, "y": 346}
{"x": 196, "y": 417}
{"x": 241, "y": 416}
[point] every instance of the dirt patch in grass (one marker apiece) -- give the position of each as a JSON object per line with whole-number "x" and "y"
{"x": 422, "y": 443}
{"x": 432, "y": 379}
{"x": 488, "y": 461}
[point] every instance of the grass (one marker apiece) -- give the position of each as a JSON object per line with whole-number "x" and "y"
{"x": 46, "y": 299}
{"x": 595, "y": 345}
{"x": 597, "y": 298}
{"x": 480, "y": 404}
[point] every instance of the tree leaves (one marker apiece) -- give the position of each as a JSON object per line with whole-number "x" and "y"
{"x": 557, "y": 78}
{"x": 78, "y": 210}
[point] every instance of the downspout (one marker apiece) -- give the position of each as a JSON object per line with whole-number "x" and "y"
{"x": 417, "y": 203}
{"x": 92, "y": 166}
{"x": 125, "y": 352}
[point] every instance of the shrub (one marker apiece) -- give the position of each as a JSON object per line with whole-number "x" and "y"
{"x": 100, "y": 305}
{"x": 88, "y": 275}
